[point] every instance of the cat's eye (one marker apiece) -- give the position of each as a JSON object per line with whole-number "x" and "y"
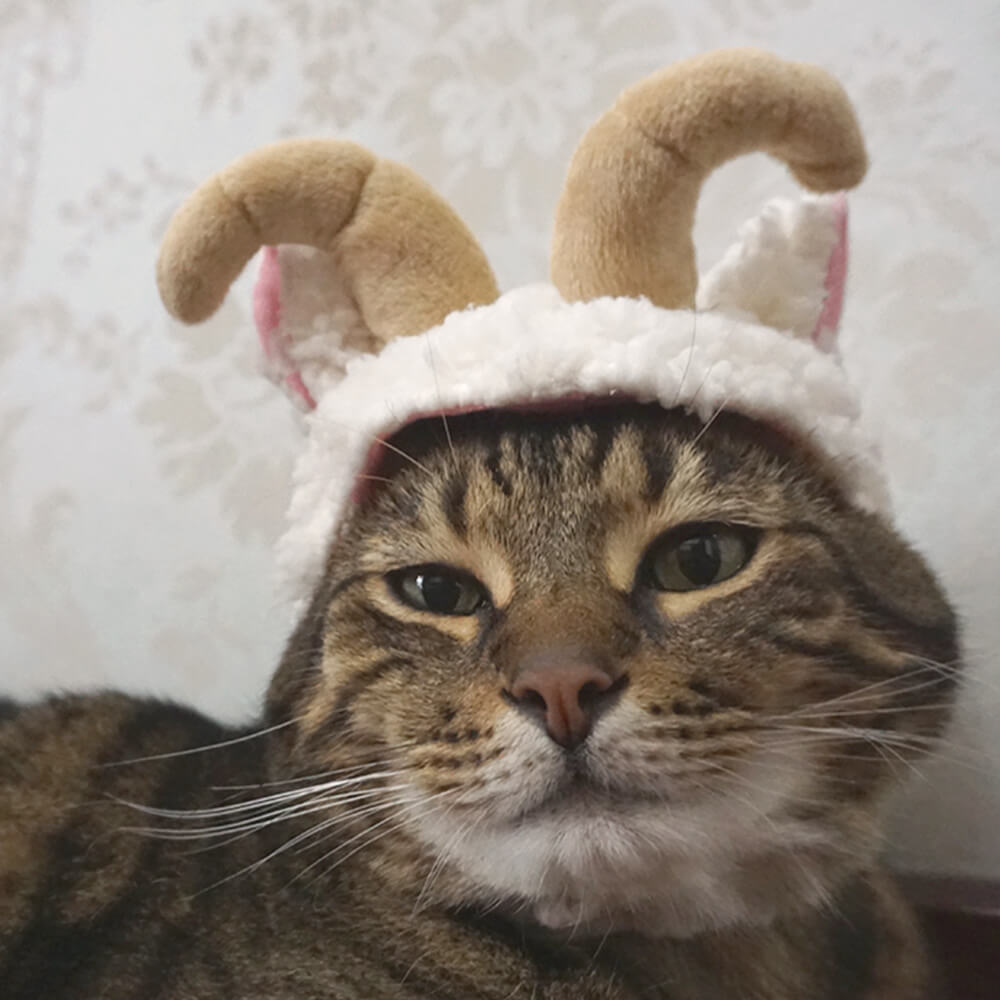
{"x": 439, "y": 589}
{"x": 698, "y": 555}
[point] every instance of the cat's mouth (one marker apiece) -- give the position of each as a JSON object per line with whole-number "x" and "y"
{"x": 578, "y": 790}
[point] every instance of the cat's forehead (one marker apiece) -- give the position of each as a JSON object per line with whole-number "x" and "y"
{"x": 640, "y": 449}
{"x": 555, "y": 484}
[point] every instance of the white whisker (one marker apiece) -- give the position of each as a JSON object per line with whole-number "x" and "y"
{"x": 256, "y": 823}
{"x": 711, "y": 420}
{"x": 203, "y": 749}
{"x": 260, "y": 803}
{"x": 405, "y": 809}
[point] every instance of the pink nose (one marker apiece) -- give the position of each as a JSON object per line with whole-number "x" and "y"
{"x": 566, "y": 695}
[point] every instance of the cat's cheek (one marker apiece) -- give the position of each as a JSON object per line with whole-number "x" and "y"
{"x": 508, "y": 774}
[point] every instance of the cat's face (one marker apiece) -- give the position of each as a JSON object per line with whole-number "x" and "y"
{"x": 633, "y": 671}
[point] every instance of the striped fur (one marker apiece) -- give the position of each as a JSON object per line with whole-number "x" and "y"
{"x": 395, "y": 827}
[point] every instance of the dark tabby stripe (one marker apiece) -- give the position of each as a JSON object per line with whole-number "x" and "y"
{"x": 336, "y": 718}
{"x": 836, "y": 655}
{"x": 304, "y": 650}
{"x": 54, "y": 958}
{"x": 494, "y": 466}
{"x": 657, "y": 458}
{"x": 453, "y": 503}
{"x": 879, "y": 603}
{"x": 853, "y": 933}
{"x": 397, "y": 635}
{"x": 603, "y": 438}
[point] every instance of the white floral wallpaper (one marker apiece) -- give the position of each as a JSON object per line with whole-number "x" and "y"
{"x": 144, "y": 467}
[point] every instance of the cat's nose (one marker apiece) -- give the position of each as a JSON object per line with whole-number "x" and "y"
{"x": 567, "y": 695}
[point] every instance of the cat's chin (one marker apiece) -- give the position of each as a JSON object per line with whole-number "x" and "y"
{"x": 688, "y": 901}
{"x": 587, "y": 850}
{"x": 593, "y": 872}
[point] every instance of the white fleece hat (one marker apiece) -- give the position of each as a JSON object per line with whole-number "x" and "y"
{"x": 362, "y": 300}
{"x": 761, "y": 343}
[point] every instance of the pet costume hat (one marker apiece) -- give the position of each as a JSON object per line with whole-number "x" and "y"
{"x": 376, "y": 306}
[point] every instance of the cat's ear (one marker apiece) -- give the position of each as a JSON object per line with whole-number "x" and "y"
{"x": 366, "y": 252}
{"x": 787, "y": 269}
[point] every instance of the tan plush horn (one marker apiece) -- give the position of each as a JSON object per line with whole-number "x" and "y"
{"x": 624, "y": 221}
{"x": 407, "y": 258}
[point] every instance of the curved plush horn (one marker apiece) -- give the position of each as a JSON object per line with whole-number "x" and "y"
{"x": 624, "y": 221}
{"x": 407, "y": 258}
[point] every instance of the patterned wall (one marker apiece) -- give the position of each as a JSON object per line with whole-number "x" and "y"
{"x": 144, "y": 468}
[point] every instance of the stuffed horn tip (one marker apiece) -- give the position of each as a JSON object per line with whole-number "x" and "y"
{"x": 207, "y": 244}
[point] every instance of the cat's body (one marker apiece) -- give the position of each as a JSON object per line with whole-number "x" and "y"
{"x": 423, "y": 815}
{"x": 91, "y": 911}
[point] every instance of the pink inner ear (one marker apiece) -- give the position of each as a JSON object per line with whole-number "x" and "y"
{"x": 824, "y": 334}
{"x": 267, "y": 317}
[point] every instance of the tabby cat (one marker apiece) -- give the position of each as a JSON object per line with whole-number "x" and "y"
{"x": 598, "y": 704}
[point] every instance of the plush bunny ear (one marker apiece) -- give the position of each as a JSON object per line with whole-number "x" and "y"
{"x": 390, "y": 254}
{"x": 787, "y": 269}
{"x": 308, "y": 323}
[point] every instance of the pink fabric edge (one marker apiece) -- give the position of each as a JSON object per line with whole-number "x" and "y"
{"x": 267, "y": 319}
{"x": 824, "y": 334}
{"x": 364, "y": 486}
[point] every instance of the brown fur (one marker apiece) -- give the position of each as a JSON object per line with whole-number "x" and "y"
{"x": 552, "y": 515}
{"x": 405, "y": 256}
{"x": 625, "y": 218}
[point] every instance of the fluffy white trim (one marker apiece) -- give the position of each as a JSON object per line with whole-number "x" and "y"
{"x": 530, "y": 345}
{"x": 776, "y": 271}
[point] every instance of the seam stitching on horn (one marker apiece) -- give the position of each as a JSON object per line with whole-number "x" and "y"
{"x": 791, "y": 127}
{"x": 331, "y": 246}
{"x": 349, "y": 221}
{"x": 666, "y": 147}
{"x": 239, "y": 205}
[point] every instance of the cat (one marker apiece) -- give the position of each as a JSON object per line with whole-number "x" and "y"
{"x": 595, "y": 704}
